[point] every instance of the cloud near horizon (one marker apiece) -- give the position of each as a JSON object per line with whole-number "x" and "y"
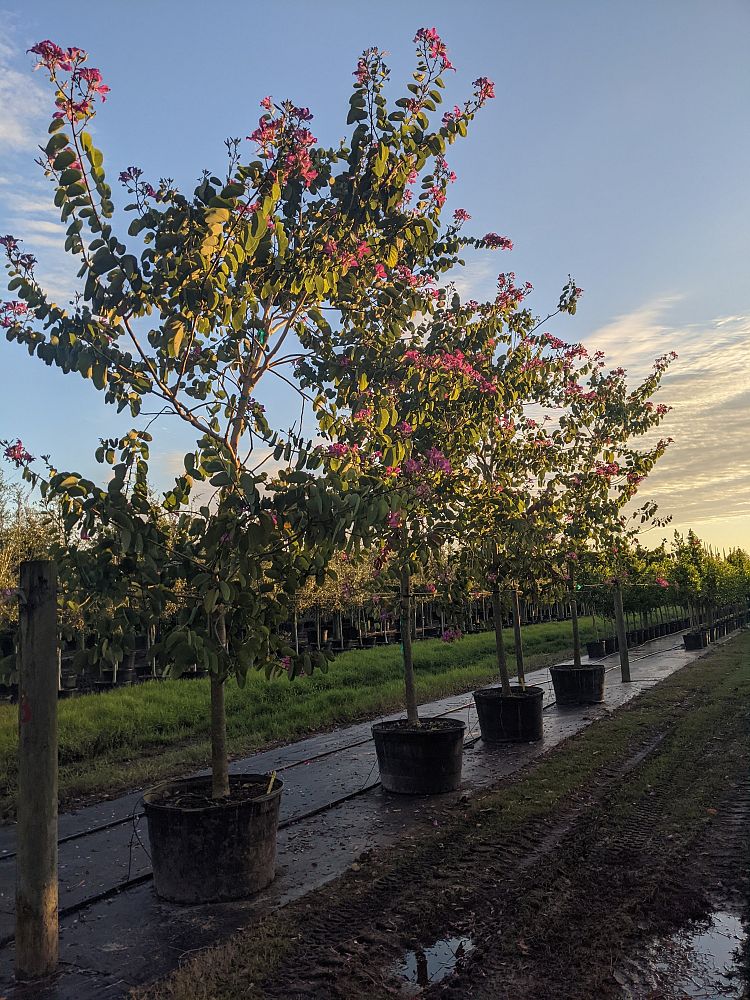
{"x": 704, "y": 477}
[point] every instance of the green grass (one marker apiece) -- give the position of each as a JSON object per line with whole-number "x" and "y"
{"x": 125, "y": 738}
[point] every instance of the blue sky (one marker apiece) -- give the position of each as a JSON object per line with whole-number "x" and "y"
{"x": 617, "y": 149}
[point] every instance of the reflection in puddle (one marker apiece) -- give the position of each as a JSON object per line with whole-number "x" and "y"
{"x": 429, "y": 965}
{"x": 698, "y": 962}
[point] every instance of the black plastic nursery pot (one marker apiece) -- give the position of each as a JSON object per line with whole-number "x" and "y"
{"x": 596, "y": 649}
{"x": 204, "y": 850}
{"x": 609, "y": 645}
{"x": 514, "y": 718}
{"x": 582, "y": 685}
{"x": 420, "y": 760}
{"x": 693, "y": 640}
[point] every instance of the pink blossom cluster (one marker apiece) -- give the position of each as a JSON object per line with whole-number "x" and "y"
{"x": 86, "y": 82}
{"x": 21, "y": 261}
{"x": 453, "y": 116}
{"x": 10, "y": 313}
{"x": 455, "y": 362}
{"x": 348, "y": 258}
{"x": 405, "y": 428}
{"x": 451, "y": 635}
{"x": 340, "y": 450}
{"x": 607, "y": 469}
{"x": 286, "y": 140}
{"x": 484, "y": 90}
{"x": 496, "y": 242}
{"x": 460, "y": 216}
{"x": 17, "y": 454}
{"x": 554, "y": 342}
{"x": 661, "y": 582}
{"x": 434, "y": 46}
{"x": 394, "y": 519}
{"x": 509, "y": 295}
{"x": 362, "y": 415}
{"x": 437, "y": 461}
{"x": 131, "y": 179}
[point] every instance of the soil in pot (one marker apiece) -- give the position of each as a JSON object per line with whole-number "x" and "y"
{"x": 420, "y": 760}
{"x": 582, "y": 685}
{"x": 206, "y": 850}
{"x": 514, "y": 718}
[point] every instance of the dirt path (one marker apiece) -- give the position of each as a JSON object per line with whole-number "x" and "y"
{"x": 553, "y": 879}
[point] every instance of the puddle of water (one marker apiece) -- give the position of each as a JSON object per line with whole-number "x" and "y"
{"x": 426, "y": 966}
{"x": 699, "y": 962}
{"x": 713, "y": 970}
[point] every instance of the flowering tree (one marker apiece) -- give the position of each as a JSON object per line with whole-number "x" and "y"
{"x": 407, "y": 419}
{"x": 209, "y": 295}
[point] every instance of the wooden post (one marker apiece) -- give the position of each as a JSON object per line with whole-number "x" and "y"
{"x": 36, "y": 861}
{"x": 518, "y": 642}
{"x": 622, "y": 636}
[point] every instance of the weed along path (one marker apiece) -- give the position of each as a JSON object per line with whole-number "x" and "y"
{"x": 115, "y": 933}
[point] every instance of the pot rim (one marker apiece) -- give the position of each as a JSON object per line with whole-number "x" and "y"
{"x": 387, "y": 727}
{"x": 530, "y": 691}
{"x": 218, "y": 806}
{"x": 572, "y": 666}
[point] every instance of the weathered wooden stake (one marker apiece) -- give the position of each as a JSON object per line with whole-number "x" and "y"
{"x": 622, "y": 636}
{"x": 36, "y": 861}
{"x": 518, "y": 641}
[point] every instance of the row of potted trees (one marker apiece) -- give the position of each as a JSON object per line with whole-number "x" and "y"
{"x": 436, "y": 419}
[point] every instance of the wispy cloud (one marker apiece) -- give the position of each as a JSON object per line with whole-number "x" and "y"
{"x": 705, "y": 475}
{"x": 23, "y": 101}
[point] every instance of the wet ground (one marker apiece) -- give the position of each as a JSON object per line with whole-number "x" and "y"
{"x": 115, "y": 933}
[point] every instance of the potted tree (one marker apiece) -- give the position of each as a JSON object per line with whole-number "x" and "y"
{"x": 222, "y": 291}
{"x": 512, "y": 511}
{"x": 601, "y": 472}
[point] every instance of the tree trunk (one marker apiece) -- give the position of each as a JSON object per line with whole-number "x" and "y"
{"x": 502, "y": 661}
{"x": 219, "y": 760}
{"x": 574, "y": 619}
{"x": 517, "y": 637}
{"x": 406, "y": 645}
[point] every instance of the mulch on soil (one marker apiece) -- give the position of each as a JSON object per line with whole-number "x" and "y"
{"x": 555, "y": 876}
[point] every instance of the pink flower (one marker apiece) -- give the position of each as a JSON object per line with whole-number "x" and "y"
{"x": 484, "y": 89}
{"x": 50, "y": 55}
{"x": 405, "y": 428}
{"x": 394, "y": 519}
{"x": 509, "y": 295}
{"x": 461, "y": 215}
{"x": 662, "y": 582}
{"x": 17, "y": 454}
{"x": 267, "y": 103}
{"x": 380, "y": 272}
{"x": 435, "y": 46}
{"x": 10, "y": 313}
{"x": 451, "y": 635}
{"x": 362, "y": 72}
{"x": 495, "y": 242}
{"x": 339, "y": 449}
{"x": 330, "y": 248}
{"x": 93, "y": 78}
